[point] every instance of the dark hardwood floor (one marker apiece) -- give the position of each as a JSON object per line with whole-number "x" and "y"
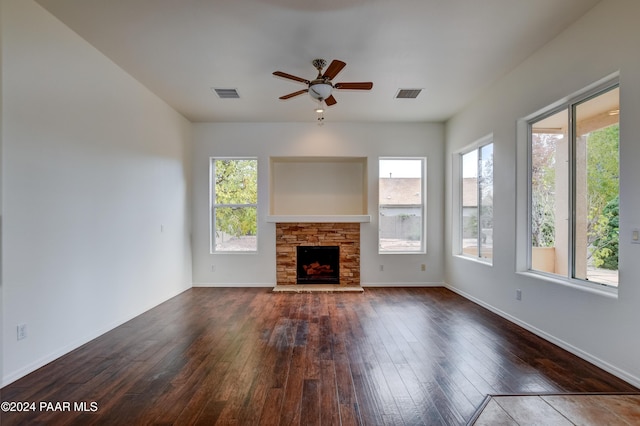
{"x": 249, "y": 356}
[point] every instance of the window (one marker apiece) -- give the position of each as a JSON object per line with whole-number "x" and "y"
{"x": 401, "y": 205}
{"x": 476, "y": 204}
{"x": 574, "y": 189}
{"x": 234, "y": 204}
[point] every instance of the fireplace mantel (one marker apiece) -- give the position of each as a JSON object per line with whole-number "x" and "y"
{"x": 343, "y": 218}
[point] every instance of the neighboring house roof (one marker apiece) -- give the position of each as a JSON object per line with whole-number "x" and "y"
{"x": 406, "y": 191}
{"x": 470, "y": 192}
{"x": 399, "y": 191}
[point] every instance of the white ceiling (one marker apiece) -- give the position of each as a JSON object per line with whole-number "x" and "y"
{"x": 452, "y": 49}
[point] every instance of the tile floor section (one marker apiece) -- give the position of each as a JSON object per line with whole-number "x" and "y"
{"x": 559, "y": 410}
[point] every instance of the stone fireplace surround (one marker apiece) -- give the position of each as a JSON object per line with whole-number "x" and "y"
{"x": 291, "y": 235}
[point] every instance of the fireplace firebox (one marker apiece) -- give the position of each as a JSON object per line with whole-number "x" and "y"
{"x": 318, "y": 265}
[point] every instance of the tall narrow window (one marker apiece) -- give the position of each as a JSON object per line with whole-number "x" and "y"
{"x": 477, "y": 202}
{"x": 549, "y": 193}
{"x": 234, "y": 204}
{"x": 574, "y": 189}
{"x": 596, "y": 188}
{"x": 401, "y": 205}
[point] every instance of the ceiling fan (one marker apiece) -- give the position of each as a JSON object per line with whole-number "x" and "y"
{"x": 320, "y": 88}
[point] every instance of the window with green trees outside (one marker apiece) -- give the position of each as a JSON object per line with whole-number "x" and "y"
{"x": 234, "y": 204}
{"x": 574, "y": 172}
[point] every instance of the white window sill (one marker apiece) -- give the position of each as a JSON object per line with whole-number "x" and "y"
{"x": 599, "y": 289}
{"x": 235, "y": 252}
{"x": 474, "y": 259}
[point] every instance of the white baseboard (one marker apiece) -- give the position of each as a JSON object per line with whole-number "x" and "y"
{"x": 271, "y": 285}
{"x": 233, "y": 285}
{"x": 399, "y": 284}
{"x": 622, "y": 374}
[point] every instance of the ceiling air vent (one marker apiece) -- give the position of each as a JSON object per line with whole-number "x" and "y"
{"x": 226, "y": 93}
{"x": 408, "y": 93}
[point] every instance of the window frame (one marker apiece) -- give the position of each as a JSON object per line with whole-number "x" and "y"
{"x": 562, "y": 107}
{"x": 423, "y": 206}
{"x": 525, "y": 126}
{"x": 458, "y": 172}
{"x": 213, "y": 206}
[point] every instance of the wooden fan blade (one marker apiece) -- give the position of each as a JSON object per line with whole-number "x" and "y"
{"x": 330, "y": 101}
{"x": 290, "y": 77}
{"x": 334, "y": 68}
{"x": 354, "y": 86}
{"x": 291, "y": 95}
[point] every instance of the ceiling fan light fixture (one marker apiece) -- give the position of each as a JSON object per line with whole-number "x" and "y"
{"x": 320, "y": 91}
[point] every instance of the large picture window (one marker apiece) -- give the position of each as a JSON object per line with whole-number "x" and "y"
{"x": 401, "y": 205}
{"x": 234, "y": 204}
{"x": 476, "y": 236}
{"x": 574, "y": 189}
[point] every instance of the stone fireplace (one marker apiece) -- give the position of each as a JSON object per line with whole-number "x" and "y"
{"x": 344, "y": 236}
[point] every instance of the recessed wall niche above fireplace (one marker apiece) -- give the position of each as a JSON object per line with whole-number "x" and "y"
{"x": 312, "y": 186}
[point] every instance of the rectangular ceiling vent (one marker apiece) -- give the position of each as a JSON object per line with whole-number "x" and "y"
{"x": 226, "y": 93}
{"x": 408, "y": 93}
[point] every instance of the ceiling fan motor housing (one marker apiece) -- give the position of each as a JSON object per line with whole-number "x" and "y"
{"x": 319, "y": 64}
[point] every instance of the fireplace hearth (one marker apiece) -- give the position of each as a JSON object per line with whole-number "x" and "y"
{"x": 318, "y": 265}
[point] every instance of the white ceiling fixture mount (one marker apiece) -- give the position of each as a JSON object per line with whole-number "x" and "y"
{"x": 320, "y": 89}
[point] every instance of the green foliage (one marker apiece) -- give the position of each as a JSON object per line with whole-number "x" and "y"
{"x": 605, "y": 246}
{"x": 236, "y": 193}
{"x": 543, "y": 189}
{"x": 236, "y": 182}
{"x": 603, "y": 167}
{"x": 602, "y": 174}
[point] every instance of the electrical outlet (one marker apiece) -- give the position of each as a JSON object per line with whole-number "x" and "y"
{"x": 381, "y": 268}
{"x": 518, "y": 294}
{"x": 423, "y": 267}
{"x": 213, "y": 268}
{"x": 22, "y": 331}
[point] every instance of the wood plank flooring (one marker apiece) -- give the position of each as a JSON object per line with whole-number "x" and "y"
{"x": 247, "y": 356}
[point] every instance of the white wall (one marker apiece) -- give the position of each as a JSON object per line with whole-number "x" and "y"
{"x": 308, "y": 139}
{"x": 95, "y": 176}
{"x": 599, "y": 328}
{"x": 1, "y": 204}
